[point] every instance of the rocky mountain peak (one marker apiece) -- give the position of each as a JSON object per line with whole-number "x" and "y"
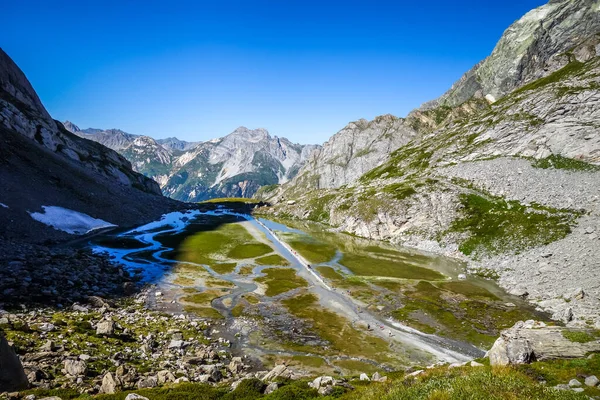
{"x": 541, "y": 42}
{"x": 253, "y": 135}
{"x": 71, "y": 127}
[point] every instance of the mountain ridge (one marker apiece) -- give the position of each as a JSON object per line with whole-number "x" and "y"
{"x": 235, "y": 165}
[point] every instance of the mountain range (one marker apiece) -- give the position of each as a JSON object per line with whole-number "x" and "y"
{"x": 236, "y": 165}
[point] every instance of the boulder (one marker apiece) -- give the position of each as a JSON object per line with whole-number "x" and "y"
{"x": 531, "y": 340}
{"x": 75, "y": 368}
{"x": 12, "y": 376}
{"x": 110, "y": 384}
{"x": 236, "y": 365}
{"x": 165, "y": 376}
{"x": 147, "y": 382}
{"x": 135, "y": 396}
{"x": 271, "y": 387}
{"x": 574, "y": 383}
{"x": 279, "y": 371}
{"x": 364, "y": 377}
{"x": 592, "y": 381}
{"x": 105, "y": 328}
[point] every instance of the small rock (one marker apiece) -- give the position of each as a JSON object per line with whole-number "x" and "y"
{"x": 592, "y": 381}
{"x": 364, "y": 377}
{"x": 75, "y": 367}
{"x": 105, "y": 328}
{"x": 175, "y": 344}
{"x": 574, "y": 383}
{"x": 476, "y": 364}
{"x": 589, "y": 230}
{"x": 165, "y": 376}
{"x": 462, "y": 277}
{"x": 47, "y": 327}
{"x": 135, "y": 396}
{"x": 147, "y": 382}
{"x": 110, "y": 384}
{"x": 578, "y": 389}
{"x": 273, "y": 386}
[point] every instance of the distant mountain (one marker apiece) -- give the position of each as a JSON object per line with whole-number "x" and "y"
{"x": 43, "y": 164}
{"x": 173, "y": 143}
{"x": 236, "y": 165}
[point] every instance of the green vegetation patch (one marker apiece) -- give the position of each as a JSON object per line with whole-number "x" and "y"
{"x": 363, "y": 265}
{"x": 203, "y": 312}
{"x": 281, "y": 280}
{"x": 580, "y": 336}
{"x": 459, "y": 311}
{"x": 497, "y": 226}
{"x": 249, "y": 250}
{"x": 319, "y": 207}
{"x": 483, "y": 383}
{"x": 213, "y": 240}
{"x": 274, "y": 259}
{"x": 330, "y": 273}
{"x": 313, "y": 250}
{"x": 560, "y": 162}
{"x": 224, "y": 268}
{"x": 344, "y": 339}
{"x": 356, "y": 367}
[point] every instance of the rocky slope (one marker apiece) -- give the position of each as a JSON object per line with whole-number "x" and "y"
{"x": 44, "y": 164}
{"x": 508, "y": 183}
{"x": 233, "y": 166}
{"x": 354, "y": 150}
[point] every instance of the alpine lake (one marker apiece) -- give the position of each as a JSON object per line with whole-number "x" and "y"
{"x": 321, "y": 301}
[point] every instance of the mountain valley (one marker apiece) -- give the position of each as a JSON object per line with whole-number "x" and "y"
{"x": 449, "y": 254}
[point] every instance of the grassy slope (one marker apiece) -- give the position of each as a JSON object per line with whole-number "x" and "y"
{"x": 440, "y": 383}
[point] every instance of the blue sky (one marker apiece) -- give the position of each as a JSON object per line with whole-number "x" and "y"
{"x": 197, "y": 70}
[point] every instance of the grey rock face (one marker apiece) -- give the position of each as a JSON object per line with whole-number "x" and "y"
{"x": 356, "y": 149}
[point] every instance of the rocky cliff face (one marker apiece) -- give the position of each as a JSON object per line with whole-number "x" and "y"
{"x": 44, "y": 164}
{"x": 236, "y": 165}
{"x": 508, "y": 183}
{"x": 354, "y": 150}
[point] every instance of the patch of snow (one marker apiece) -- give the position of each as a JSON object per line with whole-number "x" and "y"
{"x": 72, "y": 222}
{"x": 3, "y": 205}
{"x": 176, "y": 220}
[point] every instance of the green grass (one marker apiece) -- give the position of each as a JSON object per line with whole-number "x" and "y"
{"x": 274, "y": 259}
{"x": 344, "y": 339}
{"x": 203, "y": 312}
{"x": 483, "y": 383}
{"x": 560, "y": 162}
{"x": 215, "y": 242}
{"x": 330, "y": 273}
{"x": 203, "y": 298}
{"x": 249, "y": 250}
{"x": 355, "y": 367}
{"x": 314, "y": 251}
{"x": 363, "y": 265}
{"x": 231, "y": 200}
{"x": 224, "y": 268}
{"x": 281, "y": 280}
{"x": 319, "y": 208}
{"x": 580, "y": 336}
{"x": 496, "y": 226}
{"x": 572, "y": 69}
{"x": 457, "y": 310}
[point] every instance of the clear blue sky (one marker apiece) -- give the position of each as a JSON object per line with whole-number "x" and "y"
{"x": 199, "y": 69}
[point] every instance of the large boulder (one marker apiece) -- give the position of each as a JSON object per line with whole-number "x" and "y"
{"x": 12, "y": 376}
{"x": 534, "y": 341}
